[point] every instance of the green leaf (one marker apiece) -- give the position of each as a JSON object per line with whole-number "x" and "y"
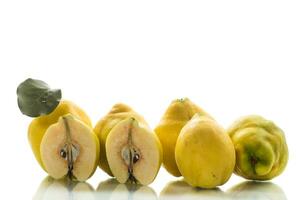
{"x": 36, "y": 98}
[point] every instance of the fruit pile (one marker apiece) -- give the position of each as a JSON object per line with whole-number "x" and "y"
{"x": 188, "y": 141}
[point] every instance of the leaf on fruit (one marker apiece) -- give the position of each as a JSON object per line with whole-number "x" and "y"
{"x": 36, "y": 98}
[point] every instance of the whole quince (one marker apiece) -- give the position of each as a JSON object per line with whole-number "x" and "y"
{"x": 179, "y": 112}
{"x": 260, "y": 146}
{"x": 204, "y": 153}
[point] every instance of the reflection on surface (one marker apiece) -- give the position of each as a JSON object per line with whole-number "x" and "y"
{"x": 181, "y": 190}
{"x": 245, "y": 190}
{"x": 112, "y": 190}
{"x": 257, "y": 190}
{"x": 63, "y": 189}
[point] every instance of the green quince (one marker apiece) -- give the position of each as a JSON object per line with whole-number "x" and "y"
{"x": 260, "y": 146}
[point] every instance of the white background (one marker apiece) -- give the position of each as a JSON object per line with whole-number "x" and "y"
{"x": 230, "y": 57}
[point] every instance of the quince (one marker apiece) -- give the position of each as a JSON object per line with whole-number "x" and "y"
{"x": 179, "y": 112}
{"x": 132, "y": 152}
{"x": 261, "y": 149}
{"x": 39, "y": 125}
{"x": 117, "y": 113}
{"x": 60, "y": 136}
{"x": 204, "y": 153}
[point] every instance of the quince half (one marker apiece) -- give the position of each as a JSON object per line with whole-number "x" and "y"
{"x": 131, "y": 150}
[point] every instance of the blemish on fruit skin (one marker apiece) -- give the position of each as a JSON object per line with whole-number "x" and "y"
{"x": 213, "y": 175}
{"x": 253, "y": 160}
